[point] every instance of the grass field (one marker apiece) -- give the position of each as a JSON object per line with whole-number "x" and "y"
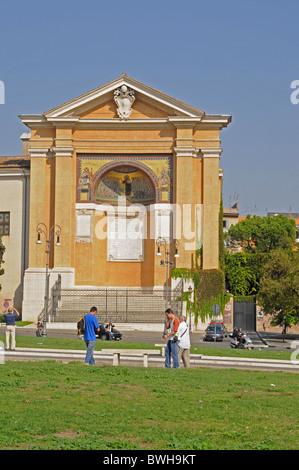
{"x": 49, "y": 405}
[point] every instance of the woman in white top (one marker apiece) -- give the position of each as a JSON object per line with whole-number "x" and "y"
{"x": 184, "y": 341}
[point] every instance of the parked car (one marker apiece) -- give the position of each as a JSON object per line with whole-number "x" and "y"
{"x": 106, "y": 335}
{"x": 214, "y": 334}
{"x": 220, "y": 323}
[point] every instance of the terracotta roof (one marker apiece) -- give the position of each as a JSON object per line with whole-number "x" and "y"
{"x": 15, "y": 163}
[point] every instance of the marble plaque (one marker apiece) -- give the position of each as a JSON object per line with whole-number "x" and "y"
{"x": 84, "y": 226}
{"x": 125, "y": 239}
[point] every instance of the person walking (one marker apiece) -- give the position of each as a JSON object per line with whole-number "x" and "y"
{"x": 91, "y": 326}
{"x": 171, "y": 350}
{"x": 184, "y": 342}
{"x": 10, "y": 330}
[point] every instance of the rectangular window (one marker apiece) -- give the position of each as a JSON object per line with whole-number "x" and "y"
{"x": 4, "y": 223}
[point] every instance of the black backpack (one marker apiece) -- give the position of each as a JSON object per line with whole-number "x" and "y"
{"x": 81, "y": 326}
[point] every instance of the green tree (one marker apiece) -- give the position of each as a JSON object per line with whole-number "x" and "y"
{"x": 257, "y": 237}
{"x": 242, "y": 273}
{"x": 279, "y": 287}
{"x": 2, "y": 250}
{"x": 262, "y": 234}
{"x": 221, "y": 239}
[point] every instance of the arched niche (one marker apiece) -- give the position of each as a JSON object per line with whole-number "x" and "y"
{"x": 128, "y": 181}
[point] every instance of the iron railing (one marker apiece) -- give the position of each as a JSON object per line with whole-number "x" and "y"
{"x": 116, "y": 305}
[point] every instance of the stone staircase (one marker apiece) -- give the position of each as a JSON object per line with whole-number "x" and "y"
{"x": 119, "y": 305}
{"x": 73, "y": 316}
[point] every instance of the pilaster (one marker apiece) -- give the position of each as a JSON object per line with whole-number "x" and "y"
{"x": 64, "y": 210}
{"x": 39, "y": 202}
{"x": 184, "y": 204}
{"x": 211, "y": 198}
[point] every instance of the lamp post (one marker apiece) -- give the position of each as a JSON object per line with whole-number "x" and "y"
{"x": 54, "y": 230}
{"x": 162, "y": 243}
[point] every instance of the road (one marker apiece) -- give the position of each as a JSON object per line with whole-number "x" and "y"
{"x": 273, "y": 341}
{"x": 128, "y": 335}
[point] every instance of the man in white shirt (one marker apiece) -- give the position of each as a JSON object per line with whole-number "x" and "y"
{"x": 184, "y": 341}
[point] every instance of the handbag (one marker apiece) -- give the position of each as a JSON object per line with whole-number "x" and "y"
{"x": 176, "y": 336}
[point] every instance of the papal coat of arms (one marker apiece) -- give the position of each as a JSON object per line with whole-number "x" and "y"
{"x": 124, "y": 98}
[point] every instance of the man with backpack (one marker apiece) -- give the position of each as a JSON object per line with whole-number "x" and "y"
{"x": 90, "y": 327}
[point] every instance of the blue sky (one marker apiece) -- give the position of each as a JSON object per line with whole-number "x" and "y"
{"x": 231, "y": 57}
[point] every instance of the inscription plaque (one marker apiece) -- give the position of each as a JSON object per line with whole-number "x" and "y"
{"x": 125, "y": 239}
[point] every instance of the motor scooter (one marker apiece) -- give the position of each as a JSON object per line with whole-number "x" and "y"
{"x": 240, "y": 340}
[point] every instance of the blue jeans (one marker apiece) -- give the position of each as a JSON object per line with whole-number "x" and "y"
{"x": 89, "y": 359}
{"x": 171, "y": 351}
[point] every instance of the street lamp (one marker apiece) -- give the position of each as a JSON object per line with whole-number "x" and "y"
{"x": 162, "y": 243}
{"x": 54, "y": 230}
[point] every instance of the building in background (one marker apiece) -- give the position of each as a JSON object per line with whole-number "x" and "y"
{"x": 230, "y": 216}
{"x": 121, "y": 146}
{"x": 14, "y": 225}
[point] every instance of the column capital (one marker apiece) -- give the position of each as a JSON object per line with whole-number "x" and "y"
{"x": 210, "y": 152}
{"x": 186, "y": 151}
{"x": 63, "y": 151}
{"x": 38, "y": 152}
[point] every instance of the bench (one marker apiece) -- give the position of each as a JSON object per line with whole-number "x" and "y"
{"x": 130, "y": 352}
{"x": 163, "y": 346}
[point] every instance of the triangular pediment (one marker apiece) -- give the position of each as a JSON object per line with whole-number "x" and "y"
{"x": 147, "y": 103}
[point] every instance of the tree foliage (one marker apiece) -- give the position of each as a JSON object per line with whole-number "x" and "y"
{"x": 257, "y": 237}
{"x": 279, "y": 287}
{"x": 221, "y": 239}
{"x": 243, "y": 272}
{"x": 2, "y": 250}
{"x": 262, "y": 234}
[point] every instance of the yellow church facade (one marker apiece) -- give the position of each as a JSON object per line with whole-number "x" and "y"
{"x": 113, "y": 172}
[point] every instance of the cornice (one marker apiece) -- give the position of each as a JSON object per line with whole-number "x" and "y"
{"x": 9, "y": 173}
{"x": 38, "y": 120}
{"x": 179, "y": 121}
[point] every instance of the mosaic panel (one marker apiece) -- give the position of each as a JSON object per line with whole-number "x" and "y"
{"x": 143, "y": 179}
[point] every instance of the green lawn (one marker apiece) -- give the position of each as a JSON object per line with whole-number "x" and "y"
{"x": 50, "y": 405}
